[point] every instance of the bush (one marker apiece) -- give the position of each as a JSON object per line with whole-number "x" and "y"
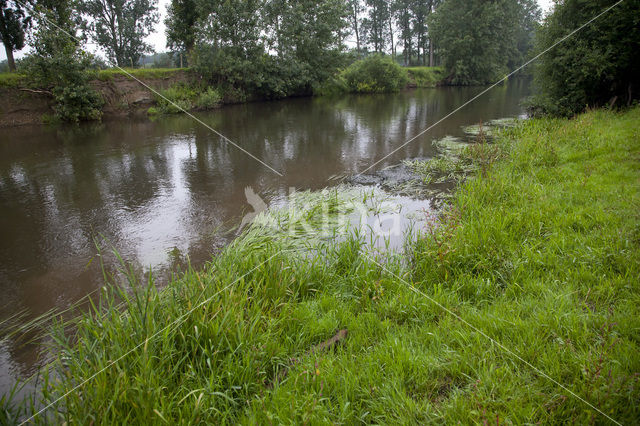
{"x": 184, "y": 97}
{"x": 77, "y": 103}
{"x": 209, "y": 99}
{"x": 425, "y": 76}
{"x": 64, "y": 75}
{"x": 597, "y": 66}
{"x": 60, "y": 66}
{"x": 255, "y": 75}
{"x": 375, "y": 74}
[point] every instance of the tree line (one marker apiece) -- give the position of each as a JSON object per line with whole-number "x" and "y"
{"x": 119, "y": 27}
{"x": 277, "y": 48}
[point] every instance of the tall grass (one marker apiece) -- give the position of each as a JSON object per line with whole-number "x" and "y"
{"x": 12, "y": 79}
{"x": 541, "y": 253}
{"x": 425, "y": 76}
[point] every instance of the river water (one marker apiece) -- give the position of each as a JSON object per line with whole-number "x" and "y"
{"x": 164, "y": 190}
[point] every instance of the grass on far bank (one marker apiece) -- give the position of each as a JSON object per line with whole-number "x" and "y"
{"x": 110, "y": 73}
{"x": 540, "y": 251}
{"x": 11, "y": 79}
{"x": 425, "y": 76}
{"x": 8, "y": 79}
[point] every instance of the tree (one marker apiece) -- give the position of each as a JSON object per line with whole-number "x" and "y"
{"x": 311, "y": 33}
{"x": 420, "y": 11}
{"x": 120, "y": 26}
{"x": 181, "y": 31}
{"x": 401, "y": 10}
{"x": 376, "y": 24}
{"x": 478, "y": 39}
{"x": 598, "y": 66}
{"x": 13, "y": 23}
{"x": 355, "y": 19}
{"x": 59, "y": 65}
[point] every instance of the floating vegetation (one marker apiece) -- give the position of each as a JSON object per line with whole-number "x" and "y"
{"x": 504, "y": 122}
{"x": 477, "y": 129}
{"x": 490, "y": 128}
{"x": 306, "y": 220}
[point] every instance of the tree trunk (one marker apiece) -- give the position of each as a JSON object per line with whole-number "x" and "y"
{"x": 10, "y": 61}
{"x": 393, "y": 46}
{"x": 430, "y": 52}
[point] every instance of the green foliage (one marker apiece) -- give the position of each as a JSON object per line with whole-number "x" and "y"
{"x": 143, "y": 73}
{"x": 425, "y": 76}
{"x": 334, "y": 86}
{"x": 120, "y": 27}
{"x": 185, "y": 97}
{"x": 598, "y": 65}
{"x": 208, "y": 99}
{"x": 269, "y": 51}
{"x": 480, "y": 41}
{"x": 77, "y": 102}
{"x": 60, "y": 66}
{"x": 262, "y": 77}
{"x": 375, "y": 74}
{"x": 13, "y": 23}
{"x": 540, "y": 255}
{"x": 376, "y": 25}
{"x": 181, "y": 20}
{"x": 8, "y": 79}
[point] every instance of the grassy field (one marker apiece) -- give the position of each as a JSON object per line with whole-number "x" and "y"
{"x": 523, "y": 306}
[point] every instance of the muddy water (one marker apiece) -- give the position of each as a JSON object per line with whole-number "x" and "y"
{"x": 161, "y": 191}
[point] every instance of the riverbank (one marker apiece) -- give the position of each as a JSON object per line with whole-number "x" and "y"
{"x": 123, "y": 96}
{"x": 539, "y": 251}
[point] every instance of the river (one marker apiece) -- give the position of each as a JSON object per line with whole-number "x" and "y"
{"x": 161, "y": 191}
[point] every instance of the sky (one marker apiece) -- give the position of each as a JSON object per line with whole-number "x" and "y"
{"x": 158, "y": 40}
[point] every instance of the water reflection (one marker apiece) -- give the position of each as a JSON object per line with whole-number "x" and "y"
{"x": 153, "y": 187}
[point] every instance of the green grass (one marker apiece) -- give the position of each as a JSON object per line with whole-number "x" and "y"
{"x": 185, "y": 97}
{"x": 110, "y": 73}
{"x": 540, "y": 252}
{"x": 425, "y": 76}
{"x": 11, "y": 79}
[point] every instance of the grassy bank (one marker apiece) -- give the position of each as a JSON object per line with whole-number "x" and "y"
{"x": 141, "y": 73}
{"x": 12, "y": 79}
{"x": 425, "y": 76}
{"x": 540, "y": 251}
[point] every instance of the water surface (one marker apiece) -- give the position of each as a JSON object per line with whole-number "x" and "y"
{"x": 161, "y": 191}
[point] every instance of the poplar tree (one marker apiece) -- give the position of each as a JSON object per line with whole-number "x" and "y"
{"x": 120, "y": 27}
{"x": 13, "y": 24}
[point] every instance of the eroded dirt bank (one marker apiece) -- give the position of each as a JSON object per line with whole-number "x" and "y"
{"x": 123, "y": 97}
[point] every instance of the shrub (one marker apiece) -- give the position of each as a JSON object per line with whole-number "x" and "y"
{"x": 375, "y": 74}
{"x": 184, "y": 97}
{"x": 425, "y": 76}
{"x": 64, "y": 75}
{"x": 77, "y": 103}
{"x": 175, "y": 99}
{"x": 208, "y": 99}
{"x": 597, "y": 66}
{"x": 60, "y": 66}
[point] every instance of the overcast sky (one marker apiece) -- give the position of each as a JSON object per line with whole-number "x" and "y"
{"x": 158, "y": 40}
